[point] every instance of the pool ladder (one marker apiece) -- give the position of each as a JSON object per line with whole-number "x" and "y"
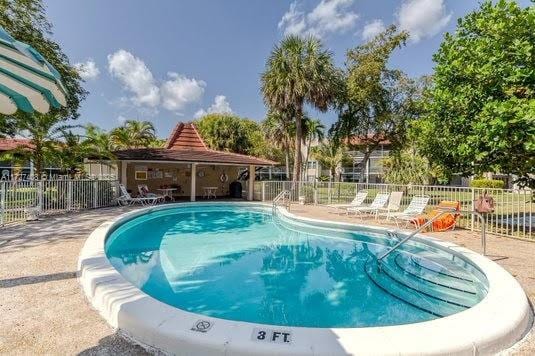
{"x": 283, "y": 196}
{"x": 429, "y": 222}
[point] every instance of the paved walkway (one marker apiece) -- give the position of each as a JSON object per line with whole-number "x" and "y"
{"x": 43, "y": 310}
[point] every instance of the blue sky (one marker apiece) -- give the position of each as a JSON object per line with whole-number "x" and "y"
{"x": 167, "y": 61}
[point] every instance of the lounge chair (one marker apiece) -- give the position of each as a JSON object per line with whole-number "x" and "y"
{"x": 127, "y": 199}
{"x": 145, "y": 193}
{"x": 444, "y": 222}
{"x": 394, "y": 204}
{"x": 378, "y": 202}
{"x": 416, "y": 207}
{"x": 357, "y": 201}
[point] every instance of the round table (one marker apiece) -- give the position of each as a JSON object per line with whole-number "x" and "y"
{"x": 209, "y": 192}
{"x": 168, "y": 192}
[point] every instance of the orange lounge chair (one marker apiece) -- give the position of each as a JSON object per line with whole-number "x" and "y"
{"x": 445, "y": 222}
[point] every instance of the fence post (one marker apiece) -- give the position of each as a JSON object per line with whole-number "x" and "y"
{"x": 39, "y": 197}
{"x": 95, "y": 194}
{"x": 329, "y": 192}
{"x": 2, "y": 203}
{"x": 472, "y": 208}
{"x": 263, "y": 191}
{"x": 69, "y": 195}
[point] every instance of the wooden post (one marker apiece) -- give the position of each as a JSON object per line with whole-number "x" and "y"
{"x": 250, "y": 194}
{"x": 193, "y": 181}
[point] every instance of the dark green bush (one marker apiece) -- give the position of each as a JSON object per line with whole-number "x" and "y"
{"x": 487, "y": 183}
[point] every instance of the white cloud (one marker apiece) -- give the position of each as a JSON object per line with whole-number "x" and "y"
{"x": 220, "y": 106}
{"x": 179, "y": 91}
{"x": 372, "y": 29}
{"x": 328, "y": 17}
{"x": 293, "y": 21}
{"x": 135, "y": 77}
{"x": 121, "y": 119}
{"x": 423, "y": 18}
{"x": 87, "y": 69}
{"x": 147, "y": 94}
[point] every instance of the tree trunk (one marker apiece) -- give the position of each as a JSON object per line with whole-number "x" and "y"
{"x": 287, "y": 158}
{"x": 298, "y": 138}
{"x": 307, "y": 157}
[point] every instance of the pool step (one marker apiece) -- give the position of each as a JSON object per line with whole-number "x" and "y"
{"x": 439, "y": 285}
{"x": 443, "y": 288}
{"x": 442, "y": 277}
{"x": 410, "y": 296}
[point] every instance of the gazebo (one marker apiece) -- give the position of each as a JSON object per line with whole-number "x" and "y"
{"x": 185, "y": 164}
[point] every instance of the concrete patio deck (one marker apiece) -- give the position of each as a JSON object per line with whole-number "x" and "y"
{"x": 44, "y": 311}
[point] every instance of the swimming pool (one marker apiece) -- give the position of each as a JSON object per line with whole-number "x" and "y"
{"x": 239, "y": 265}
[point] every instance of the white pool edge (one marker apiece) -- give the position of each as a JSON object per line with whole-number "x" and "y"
{"x": 495, "y": 324}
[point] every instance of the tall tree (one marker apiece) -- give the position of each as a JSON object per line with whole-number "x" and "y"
{"x": 480, "y": 113}
{"x": 313, "y": 131}
{"x": 298, "y": 72}
{"x": 225, "y": 132}
{"x": 377, "y": 102}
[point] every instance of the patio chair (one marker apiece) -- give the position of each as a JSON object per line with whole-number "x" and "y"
{"x": 394, "y": 204}
{"x": 416, "y": 207}
{"x": 378, "y": 202}
{"x": 446, "y": 221}
{"x": 145, "y": 193}
{"x": 127, "y": 199}
{"x": 357, "y": 201}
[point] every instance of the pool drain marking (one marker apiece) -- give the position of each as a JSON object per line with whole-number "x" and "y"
{"x": 269, "y": 335}
{"x": 202, "y": 326}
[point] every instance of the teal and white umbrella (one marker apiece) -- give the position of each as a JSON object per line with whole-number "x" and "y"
{"x": 27, "y": 81}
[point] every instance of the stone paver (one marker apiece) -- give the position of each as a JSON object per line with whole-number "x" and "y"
{"x": 43, "y": 310}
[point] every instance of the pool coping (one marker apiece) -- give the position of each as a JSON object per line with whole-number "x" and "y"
{"x": 500, "y": 320}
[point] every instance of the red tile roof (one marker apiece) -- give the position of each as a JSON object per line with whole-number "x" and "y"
{"x": 186, "y": 145}
{"x": 8, "y": 144}
{"x": 185, "y": 137}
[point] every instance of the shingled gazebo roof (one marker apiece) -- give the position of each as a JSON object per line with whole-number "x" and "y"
{"x": 186, "y": 145}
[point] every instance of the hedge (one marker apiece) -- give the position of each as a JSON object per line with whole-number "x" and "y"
{"x": 487, "y": 183}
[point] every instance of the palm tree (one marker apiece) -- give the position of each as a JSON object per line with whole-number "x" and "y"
{"x": 332, "y": 155}
{"x": 70, "y": 157}
{"x": 299, "y": 71}
{"x": 279, "y": 129}
{"x": 313, "y": 130}
{"x": 134, "y": 134}
{"x": 44, "y": 132}
{"x": 99, "y": 142}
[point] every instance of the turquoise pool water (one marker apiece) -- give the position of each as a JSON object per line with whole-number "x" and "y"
{"x": 237, "y": 262}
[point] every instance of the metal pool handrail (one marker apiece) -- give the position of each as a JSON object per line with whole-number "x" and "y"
{"x": 282, "y": 195}
{"x": 433, "y": 219}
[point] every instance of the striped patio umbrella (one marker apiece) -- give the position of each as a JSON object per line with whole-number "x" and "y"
{"x": 27, "y": 81}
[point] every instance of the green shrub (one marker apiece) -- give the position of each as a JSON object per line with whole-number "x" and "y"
{"x": 487, "y": 183}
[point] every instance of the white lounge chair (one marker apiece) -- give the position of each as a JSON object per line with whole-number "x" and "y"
{"x": 144, "y": 192}
{"x": 378, "y": 202}
{"x": 415, "y": 208}
{"x": 394, "y": 204}
{"x": 127, "y": 199}
{"x": 357, "y": 201}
